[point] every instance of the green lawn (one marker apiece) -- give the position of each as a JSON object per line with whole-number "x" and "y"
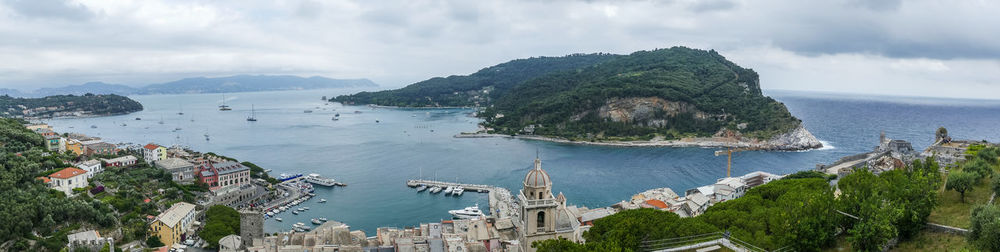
{"x": 952, "y": 211}
{"x": 934, "y": 241}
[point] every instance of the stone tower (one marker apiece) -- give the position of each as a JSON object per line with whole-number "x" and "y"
{"x": 251, "y": 226}
{"x": 538, "y": 206}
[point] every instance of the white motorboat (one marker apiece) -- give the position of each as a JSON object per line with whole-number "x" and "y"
{"x": 302, "y": 209}
{"x": 322, "y": 200}
{"x": 295, "y": 212}
{"x": 320, "y": 180}
{"x": 435, "y": 189}
{"x": 421, "y": 188}
{"x": 278, "y": 219}
{"x": 471, "y": 212}
{"x": 307, "y": 208}
{"x": 317, "y": 222}
{"x": 323, "y": 219}
{"x": 458, "y": 191}
{"x": 448, "y": 191}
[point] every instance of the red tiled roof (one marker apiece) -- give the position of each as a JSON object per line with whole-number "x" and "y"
{"x": 151, "y": 146}
{"x": 656, "y": 203}
{"x": 45, "y": 179}
{"x": 68, "y": 173}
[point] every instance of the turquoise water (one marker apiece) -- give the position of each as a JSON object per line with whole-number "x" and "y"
{"x": 376, "y": 159}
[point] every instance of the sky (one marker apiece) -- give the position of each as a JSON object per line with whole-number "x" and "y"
{"x": 885, "y": 47}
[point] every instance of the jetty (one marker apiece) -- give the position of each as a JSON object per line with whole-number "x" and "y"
{"x": 501, "y": 201}
{"x": 442, "y": 184}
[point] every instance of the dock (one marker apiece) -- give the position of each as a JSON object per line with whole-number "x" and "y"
{"x": 501, "y": 201}
{"x": 442, "y": 184}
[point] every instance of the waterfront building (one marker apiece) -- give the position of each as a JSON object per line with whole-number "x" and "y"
{"x": 729, "y": 188}
{"x": 67, "y": 179}
{"x": 93, "y": 167}
{"x": 152, "y": 153}
{"x": 181, "y": 170}
{"x": 174, "y": 225}
{"x": 224, "y": 174}
{"x": 90, "y": 240}
{"x": 55, "y": 143}
{"x": 75, "y": 146}
{"x": 38, "y": 126}
{"x": 97, "y": 147}
{"x": 127, "y": 160}
{"x": 543, "y": 216}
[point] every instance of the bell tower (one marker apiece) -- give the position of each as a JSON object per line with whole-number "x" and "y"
{"x": 538, "y": 205}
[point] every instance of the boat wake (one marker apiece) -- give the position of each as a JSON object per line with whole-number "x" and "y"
{"x": 826, "y": 145}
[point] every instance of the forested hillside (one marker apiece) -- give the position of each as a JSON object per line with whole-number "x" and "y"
{"x": 67, "y": 105}
{"x": 476, "y": 89}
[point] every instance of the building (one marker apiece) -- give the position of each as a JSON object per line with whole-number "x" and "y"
{"x": 75, "y": 146}
{"x": 93, "y": 167}
{"x": 251, "y": 227}
{"x": 55, "y": 143}
{"x": 231, "y": 243}
{"x": 729, "y": 188}
{"x": 224, "y": 174}
{"x": 99, "y": 148}
{"x": 67, "y": 179}
{"x": 182, "y": 171}
{"x": 172, "y": 225}
{"x": 153, "y": 153}
{"x": 38, "y": 126}
{"x": 89, "y": 241}
{"x": 122, "y": 161}
{"x": 543, "y": 216}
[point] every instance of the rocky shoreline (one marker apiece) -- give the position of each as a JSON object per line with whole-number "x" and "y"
{"x": 795, "y": 140}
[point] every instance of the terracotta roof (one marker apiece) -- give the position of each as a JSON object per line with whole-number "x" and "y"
{"x": 656, "y": 203}
{"x": 45, "y": 179}
{"x": 68, "y": 173}
{"x": 151, "y": 146}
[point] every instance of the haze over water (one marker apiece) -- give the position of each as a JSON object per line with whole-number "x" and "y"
{"x": 375, "y": 159}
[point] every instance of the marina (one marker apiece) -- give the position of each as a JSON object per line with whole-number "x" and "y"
{"x": 450, "y": 186}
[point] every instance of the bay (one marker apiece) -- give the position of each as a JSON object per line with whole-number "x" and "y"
{"x": 376, "y": 158}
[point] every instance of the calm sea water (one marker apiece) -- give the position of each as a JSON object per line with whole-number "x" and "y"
{"x": 376, "y": 159}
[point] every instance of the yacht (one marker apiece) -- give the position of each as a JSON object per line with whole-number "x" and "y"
{"x": 448, "y": 191}
{"x": 471, "y": 212}
{"x": 253, "y": 116}
{"x": 323, "y": 219}
{"x": 322, "y": 200}
{"x": 458, "y": 191}
{"x": 278, "y": 219}
{"x": 224, "y": 107}
{"x": 320, "y": 180}
{"x": 436, "y": 189}
{"x": 306, "y": 208}
{"x": 421, "y": 188}
{"x": 299, "y": 224}
{"x": 295, "y": 212}
{"x": 302, "y": 209}
{"x": 317, "y": 222}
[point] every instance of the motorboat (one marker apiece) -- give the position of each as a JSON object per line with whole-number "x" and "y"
{"x": 323, "y": 219}
{"x": 320, "y": 180}
{"x": 278, "y": 219}
{"x": 322, "y": 200}
{"x": 295, "y": 212}
{"x": 471, "y": 212}
{"x": 307, "y": 111}
{"x": 307, "y": 208}
{"x": 302, "y": 209}
{"x": 435, "y": 189}
{"x": 316, "y": 221}
{"x": 458, "y": 191}
{"x": 448, "y": 191}
{"x": 421, "y": 188}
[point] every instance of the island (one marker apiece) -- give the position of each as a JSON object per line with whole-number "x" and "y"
{"x": 67, "y": 106}
{"x": 665, "y": 97}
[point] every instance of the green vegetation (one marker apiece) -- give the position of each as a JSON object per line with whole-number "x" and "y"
{"x": 893, "y": 203}
{"x": 258, "y": 172}
{"x": 49, "y": 106}
{"x": 955, "y": 207}
{"x": 696, "y": 93}
{"x": 154, "y": 242}
{"x": 931, "y": 241}
{"x": 488, "y": 84}
{"x": 220, "y": 222}
{"x": 961, "y": 182}
{"x": 985, "y": 231}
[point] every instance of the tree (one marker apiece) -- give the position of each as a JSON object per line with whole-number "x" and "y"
{"x": 220, "y": 222}
{"x": 985, "y": 227}
{"x": 961, "y": 182}
{"x": 154, "y": 242}
{"x": 979, "y": 167}
{"x": 996, "y": 183}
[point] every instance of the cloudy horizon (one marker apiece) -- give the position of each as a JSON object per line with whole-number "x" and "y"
{"x": 903, "y": 48}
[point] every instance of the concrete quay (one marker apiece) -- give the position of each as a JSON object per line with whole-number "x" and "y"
{"x": 442, "y": 184}
{"x": 502, "y": 203}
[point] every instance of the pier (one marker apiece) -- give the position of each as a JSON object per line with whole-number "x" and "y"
{"x": 442, "y": 184}
{"x": 501, "y": 201}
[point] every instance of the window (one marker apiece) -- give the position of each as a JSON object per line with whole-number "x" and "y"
{"x": 541, "y": 222}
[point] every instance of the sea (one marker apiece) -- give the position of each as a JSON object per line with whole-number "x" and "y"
{"x": 375, "y": 150}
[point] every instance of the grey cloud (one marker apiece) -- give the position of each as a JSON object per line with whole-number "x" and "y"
{"x": 713, "y": 5}
{"x": 59, "y": 9}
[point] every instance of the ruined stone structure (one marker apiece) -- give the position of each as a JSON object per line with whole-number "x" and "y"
{"x": 251, "y": 227}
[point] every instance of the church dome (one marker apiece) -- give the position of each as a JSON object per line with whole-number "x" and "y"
{"x": 537, "y": 177}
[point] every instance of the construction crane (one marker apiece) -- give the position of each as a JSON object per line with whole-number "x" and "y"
{"x": 729, "y": 158}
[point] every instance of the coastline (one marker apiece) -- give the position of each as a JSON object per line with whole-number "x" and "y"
{"x": 796, "y": 140}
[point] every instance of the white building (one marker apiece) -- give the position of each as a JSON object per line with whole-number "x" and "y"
{"x": 121, "y": 161}
{"x": 90, "y": 240}
{"x": 153, "y": 153}
{"x": 93, "y": 167}
{"x": 67, "y": 179}
{"x": 729, "y": 188}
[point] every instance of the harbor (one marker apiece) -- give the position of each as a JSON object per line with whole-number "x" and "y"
{"x": 501, "y": 201}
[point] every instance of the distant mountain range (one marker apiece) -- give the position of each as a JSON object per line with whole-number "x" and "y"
{"x": 230, "y": 84}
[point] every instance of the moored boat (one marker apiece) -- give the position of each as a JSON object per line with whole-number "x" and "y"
{"x": 471, "y": 212}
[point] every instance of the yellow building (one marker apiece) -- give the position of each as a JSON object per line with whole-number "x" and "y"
{"x": 171, "y": 225}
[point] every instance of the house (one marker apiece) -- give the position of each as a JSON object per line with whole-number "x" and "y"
{"x": 729, "y": 188}
{"x": 173, "y": 225}
{"x": 67, "y": 179}
{"x": 153, "y": 153}
{"x": 75, "y": 146}
{"x": 91, "y": 166}
{"x": 757, "y": 178}
{"x": 37, "y": 126}
{"x": 99, "y": 148}
{"x": 55, "y": 143}
{"x": 89, "y": 240}
{"x": 182, "y": 171}
{"x": 122, "y": 161}
{"x": 224, "y": 174}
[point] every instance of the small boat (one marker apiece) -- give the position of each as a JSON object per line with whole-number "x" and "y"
{"x": 307, "y": 208}
{"x": 224, "y": 107}
{"x": 435, "y": 189}
{"x": 295, "y": 212}
{"x": 376, "y": 121}
{"x": 306, "y": 228}
{"x": 299, "y": 224}
{"x": 421, "y": 188}
{"x": 335, "y": 118}
{"x": 471, "y": 212}
{"x": 307, "y": 111}
{"x": 317, "y": 222}
{"x": 178, "y": 128}
{"x": 93, "y": 126}
{"x": 123, "y": 125}
{"x": 458, "y": 191}
{"x": 448, "y": 191}
{"x": 322, "y": 200}
{"x": 299, "y": 229}
{"x": 302, "y": 209}
{"x": 138, "y": 119}
{"x": 323, "y": 219}
{"x": 253, "y": 116}
{"x": 357, "y": 111}
{"x": 278, "y": 219}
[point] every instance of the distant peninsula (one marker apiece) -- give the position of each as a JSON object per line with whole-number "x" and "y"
{"x": 67, "y": 106}
{"x": 229, "y": 84}
{"x": 665, "y": 97}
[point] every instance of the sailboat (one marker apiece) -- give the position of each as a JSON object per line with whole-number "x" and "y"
{"x": 181, "y": 111}
{"x": 224, "y": 107}
{"x": 253, "y": 116}
{"x": 161, "y": 119}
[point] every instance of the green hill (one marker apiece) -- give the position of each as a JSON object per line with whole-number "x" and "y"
{"x": 672, "y": 93}
{"x": 67, "y": 105}
{"x": 477, "y": 89}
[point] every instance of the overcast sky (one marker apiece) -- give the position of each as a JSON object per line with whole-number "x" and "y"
{"x": 915, "y": 48}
